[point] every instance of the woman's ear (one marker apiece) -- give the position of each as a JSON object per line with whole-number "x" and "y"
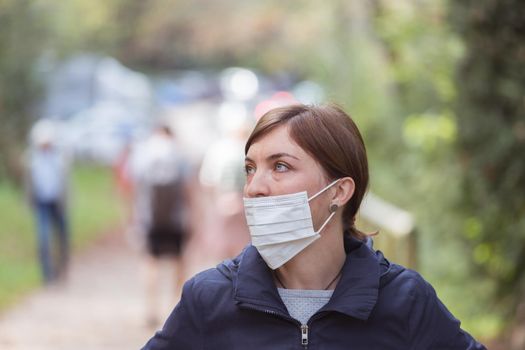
{"x": 345, "y": 188}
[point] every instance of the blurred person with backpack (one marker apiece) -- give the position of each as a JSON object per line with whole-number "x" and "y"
{"x": 161, "y": 209}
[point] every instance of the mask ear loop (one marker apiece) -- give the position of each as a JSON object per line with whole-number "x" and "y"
{"x": 322, "y": 190}
{"x": 333, "y": 210}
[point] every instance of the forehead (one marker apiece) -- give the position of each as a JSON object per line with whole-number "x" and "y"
{"x": 277, "y": 140}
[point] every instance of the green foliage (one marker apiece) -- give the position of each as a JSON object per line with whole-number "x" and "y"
{"x": 424, "y": 175}
{"x": 81, "y": 25}
{"x": 18, "y": 269}
{"x": 422, "y": 53}
{"x": 21, "y": 27}
{"x": 93, "y": 212}
{"x": 491, "y": 142}
{"x": 29, "y": 31}
{"x": 427, "y": 131}
{"x": 95, "y": 207}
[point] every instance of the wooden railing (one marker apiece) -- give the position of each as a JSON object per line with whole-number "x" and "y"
{"x": 397, "y": 230}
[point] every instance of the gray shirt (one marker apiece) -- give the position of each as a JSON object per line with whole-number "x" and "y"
{"x": 303, "y": 303}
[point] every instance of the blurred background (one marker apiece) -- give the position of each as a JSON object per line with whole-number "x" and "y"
{"x": 436, "y": 87}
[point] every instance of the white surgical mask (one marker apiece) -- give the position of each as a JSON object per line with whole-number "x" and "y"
{"x": 281, "y": 226}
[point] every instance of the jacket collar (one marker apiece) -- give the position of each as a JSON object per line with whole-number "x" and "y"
{"x": 355, "y": 295}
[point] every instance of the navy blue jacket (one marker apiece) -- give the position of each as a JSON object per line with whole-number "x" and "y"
{"x": 376, "y": 305}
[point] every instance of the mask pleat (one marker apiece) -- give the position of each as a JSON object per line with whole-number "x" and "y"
{"x": 277, "y": 215}
{"x": 280, "y": 228}
{"x": 285, "y": 237}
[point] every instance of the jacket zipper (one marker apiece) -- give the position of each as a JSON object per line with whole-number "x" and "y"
{"x": 304, "y": 335}
{"x": 305, "y": 328}
{"x": 302, "y": 327}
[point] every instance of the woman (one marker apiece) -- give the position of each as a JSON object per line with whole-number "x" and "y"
{"x": 308, "y": 280}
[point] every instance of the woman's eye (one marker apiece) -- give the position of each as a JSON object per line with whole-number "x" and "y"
{"x": 280, "y": 167}
{"x": 249, "y": 170}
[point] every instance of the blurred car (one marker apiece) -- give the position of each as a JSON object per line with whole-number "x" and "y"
{"x": 102, "y": 104}
{"x": 182, "y": 87}
{"x": 102, "y": 132}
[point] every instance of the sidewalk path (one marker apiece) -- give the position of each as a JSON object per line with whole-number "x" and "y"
{"x": 100, "y": 307}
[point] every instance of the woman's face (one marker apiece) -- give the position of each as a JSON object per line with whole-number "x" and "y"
{"x": 276, "y": 165}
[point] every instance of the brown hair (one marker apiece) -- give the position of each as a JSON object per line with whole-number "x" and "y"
{"x": 331, "y": 137}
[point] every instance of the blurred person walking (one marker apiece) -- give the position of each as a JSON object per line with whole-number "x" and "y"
{"x": 161, "y": 210}
{"x": 47, "y": 178}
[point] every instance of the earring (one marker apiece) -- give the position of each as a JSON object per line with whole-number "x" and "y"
{"x": 333, "y": 208}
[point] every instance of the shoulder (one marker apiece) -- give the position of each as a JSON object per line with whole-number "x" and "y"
{"x": 403, "y": 291}
{"x": 406, "y": 281}
{"x": 429, "y": 323}
{"x": 211, "y": 284}
{"x": 399, "y": 277}
{"x": 210, "y": 278}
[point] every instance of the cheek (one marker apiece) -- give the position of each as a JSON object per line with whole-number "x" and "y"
{"x": 286, "y": 184}
{"x": 319, "y": 213}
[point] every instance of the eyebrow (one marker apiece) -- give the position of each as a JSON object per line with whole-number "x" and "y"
{"x": 274, "y": 156}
